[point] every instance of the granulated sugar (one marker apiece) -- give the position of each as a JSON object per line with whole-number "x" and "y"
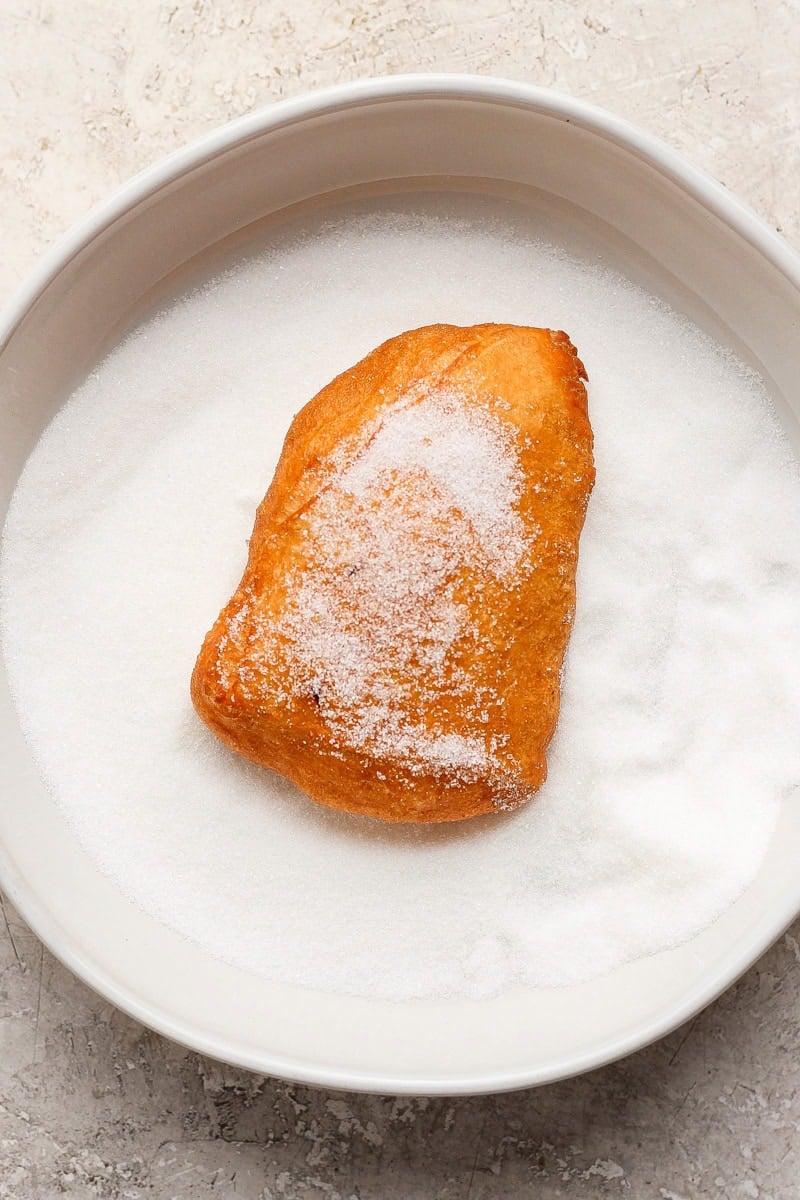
{"x": 376, "y": 602}
{"x": 677, "y": 741}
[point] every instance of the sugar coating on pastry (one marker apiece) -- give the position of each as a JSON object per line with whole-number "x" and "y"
{"x": 396, "y": 641}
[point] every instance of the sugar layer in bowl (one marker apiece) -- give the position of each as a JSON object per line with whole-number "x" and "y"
{"x": 677, "y": 741}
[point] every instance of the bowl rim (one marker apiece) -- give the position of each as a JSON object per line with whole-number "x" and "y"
{"x": 646, "y": 147}
{"x": 670, "y": 163}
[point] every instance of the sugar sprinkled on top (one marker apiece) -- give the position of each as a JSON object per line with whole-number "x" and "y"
{"x": 374, "y": 607}
{"x": 468, "y": 455}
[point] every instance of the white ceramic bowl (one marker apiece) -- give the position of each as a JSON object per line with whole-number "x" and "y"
{"x": 669, "y": 224}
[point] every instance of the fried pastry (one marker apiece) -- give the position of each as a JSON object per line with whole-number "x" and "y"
{"x": 395, "y": 644}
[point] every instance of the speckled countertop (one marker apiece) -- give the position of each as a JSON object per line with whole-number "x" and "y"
{"x": 94, "y": 1105}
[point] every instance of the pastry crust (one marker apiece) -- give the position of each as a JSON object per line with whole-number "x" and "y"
{"x": 395, "y": 644}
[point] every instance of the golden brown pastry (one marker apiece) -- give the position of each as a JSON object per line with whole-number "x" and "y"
{"x": 396, "y": 641}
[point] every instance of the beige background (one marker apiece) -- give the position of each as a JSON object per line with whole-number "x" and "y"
{"x": 91, "y": 1104}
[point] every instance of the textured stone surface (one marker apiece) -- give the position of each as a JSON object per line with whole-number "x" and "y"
{"x": 92, "y": 1104}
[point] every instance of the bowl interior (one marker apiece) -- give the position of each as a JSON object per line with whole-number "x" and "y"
{"x": 166, "y": 232}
